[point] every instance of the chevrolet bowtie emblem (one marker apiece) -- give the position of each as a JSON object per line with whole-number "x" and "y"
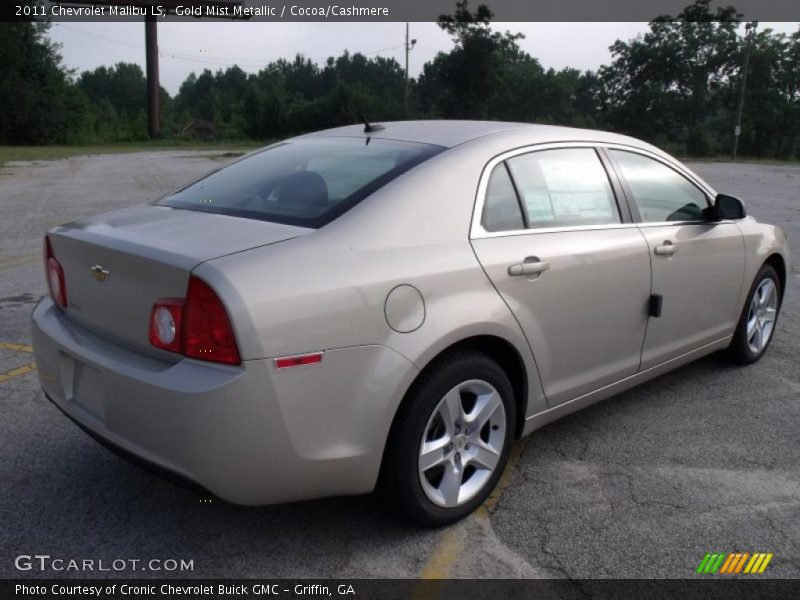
{"x": 99, "y": 273}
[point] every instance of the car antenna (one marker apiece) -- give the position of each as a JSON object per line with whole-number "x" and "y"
{"x": 369, "y": 127}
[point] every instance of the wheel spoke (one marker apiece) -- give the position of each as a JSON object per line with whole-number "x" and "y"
{"x": 452, "y": 410}
{"x": 451, "y": 484}
{"x": 769, "y": 315}
{"x": 433, "y": 453}
{"x": 754, "y": 304}
{"x": 751, "y": 328}
{"x": 484, "y": 456}
{"x": 768, "y": 291}
{"x": 485, "y": 407}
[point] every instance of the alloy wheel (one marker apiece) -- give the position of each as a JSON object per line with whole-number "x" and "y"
{"x": 462, "y": 443}
{"x": 761, "y": 316}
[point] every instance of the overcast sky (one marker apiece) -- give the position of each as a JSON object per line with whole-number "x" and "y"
{"x": 188, "y": 47}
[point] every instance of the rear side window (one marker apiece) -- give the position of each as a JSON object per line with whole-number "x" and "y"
{"x": 501, "y": 211}
{"x": 304, "y": 182}
{"x": 564, "y": 188}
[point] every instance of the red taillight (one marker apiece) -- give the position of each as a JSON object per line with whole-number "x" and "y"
{"x": 54, "y": 275}
{"x": 165, "y": 324}
{"x": 197, "y": 327}
{"x": 208, "y": 332}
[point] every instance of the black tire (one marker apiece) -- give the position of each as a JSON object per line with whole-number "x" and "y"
{"x": 400, "y": 483}
{"x": 739, "y": 351}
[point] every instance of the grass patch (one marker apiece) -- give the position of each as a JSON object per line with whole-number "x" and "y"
{"x": 742, "y": 160}
{"x": 12, "y": 153}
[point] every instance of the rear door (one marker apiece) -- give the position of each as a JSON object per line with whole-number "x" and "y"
{"x": 697, "y": 265}
{"x": 563, "y": 254}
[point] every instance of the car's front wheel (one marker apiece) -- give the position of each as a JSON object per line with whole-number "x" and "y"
{"x": 451, "y": 439}
{"x": 758, "y": 319}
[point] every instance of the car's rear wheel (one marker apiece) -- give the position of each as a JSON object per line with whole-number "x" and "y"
{"x": 757, "y": 322}
{"x": 451, "y": 440}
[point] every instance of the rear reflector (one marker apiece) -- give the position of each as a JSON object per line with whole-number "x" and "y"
{"x": 298, "y": 361}
{"x": 54, "y": 275}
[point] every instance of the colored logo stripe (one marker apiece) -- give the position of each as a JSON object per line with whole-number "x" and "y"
{"x": 734, "y": 563}
{"x": 710, "y": 563}
{"x": 758, "y": 563}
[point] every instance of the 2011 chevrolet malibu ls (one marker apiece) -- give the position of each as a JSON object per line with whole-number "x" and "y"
{"x": 392, "y": 305}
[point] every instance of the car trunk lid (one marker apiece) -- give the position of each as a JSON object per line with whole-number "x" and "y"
{"x": 118, "y": 264}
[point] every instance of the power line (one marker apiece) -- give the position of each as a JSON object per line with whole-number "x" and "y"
{"x": 165, "y": 52}
{"x": 210, "y": 60}
{"x": 222, "y": 61}
{"x": 101, "y": 37}
{"x": 382, "y": 50}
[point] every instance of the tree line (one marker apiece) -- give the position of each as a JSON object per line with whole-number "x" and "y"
{"x": 677, "y": 85}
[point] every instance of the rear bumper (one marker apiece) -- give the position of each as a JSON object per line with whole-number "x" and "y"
{"x": 249, "y": 434}
{"x": 151, "y": 468}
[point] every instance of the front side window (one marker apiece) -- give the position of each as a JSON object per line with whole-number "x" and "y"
{"x": 303, "y": 182}
{"x": 660, "y": 193}
{"x": 564, "y": 188}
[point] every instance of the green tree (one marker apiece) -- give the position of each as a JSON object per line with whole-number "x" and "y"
{"x": 770, "y": 124}
{"x": 465, "y": 82}
{"x": 265, "y": 106}
{"x": 376, "y": 84}
{"x": 124, "y": 88}
{"x": 664, "y": 85}
{"x": 40, "y": 103}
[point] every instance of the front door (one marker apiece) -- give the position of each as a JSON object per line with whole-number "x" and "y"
{"x": 697, "y": 265}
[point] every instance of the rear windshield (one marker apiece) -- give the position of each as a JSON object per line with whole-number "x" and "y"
{"x": 303, "y": 182}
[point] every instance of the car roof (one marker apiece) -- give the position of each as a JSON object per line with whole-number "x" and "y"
{"x": 449, "y": 133}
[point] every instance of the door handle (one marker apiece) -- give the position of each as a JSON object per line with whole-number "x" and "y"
{"x": 666, "y": 249}
{"x": 530, "y": 266}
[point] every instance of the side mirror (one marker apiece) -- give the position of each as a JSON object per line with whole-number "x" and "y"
{"x": 725, "y": 207}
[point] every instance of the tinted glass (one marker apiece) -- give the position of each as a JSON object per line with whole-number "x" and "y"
{"x": 660, "y": 193}
{"x": 305, "y": 182}
{"x": 563, "y": 188}
{"x": 501, "y": 211}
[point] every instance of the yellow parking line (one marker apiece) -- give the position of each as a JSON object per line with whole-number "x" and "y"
{"x": 444, "y": 556}
{"x": 23, "y": 370}
{"x": 450, "y": 544}
{"x": 505, "y": 478}
{"x": 16, "y": 347}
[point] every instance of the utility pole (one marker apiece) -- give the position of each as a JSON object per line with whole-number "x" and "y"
{"x": 750, "y": 30}
{"x": 153, "y": 86}
{"x": 408, "y": 46}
